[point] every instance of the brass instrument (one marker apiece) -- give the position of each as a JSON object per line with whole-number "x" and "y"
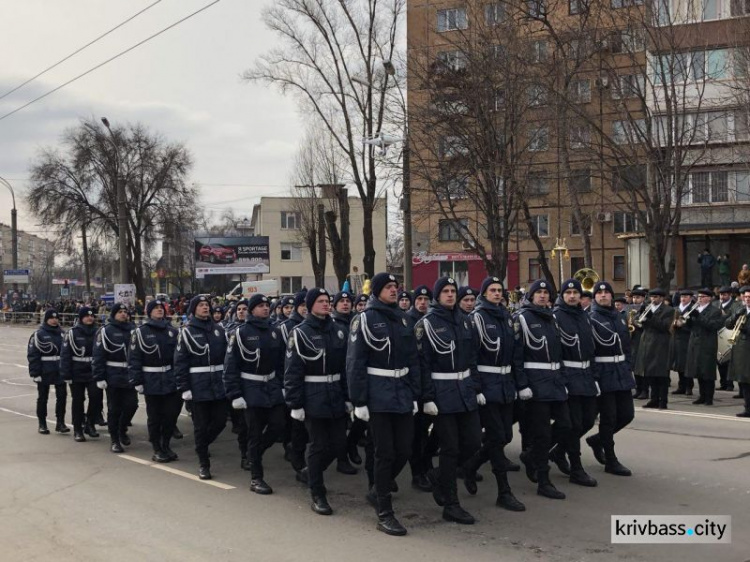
{"x": 631, "y": 319}
{"x": 737, "y": 329}
{"x": 587, "y": 277}
{"x": 680, "y": 319}
{"x": 645, "y": 314}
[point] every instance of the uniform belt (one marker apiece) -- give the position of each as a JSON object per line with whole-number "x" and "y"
{"x": 545, "y": 366}
{"x": 460, "y": 375}
{"x": 162, "y": 369}
{"x": 323, "y": 378}
{"x": 258, "y": 378}
{"x": 207, "y": 369}
{"x": 611, "y": 359}
{"x": 496, "y": 370}
{"x": 396, "y": 373}
{"x": 51, "y": 358}
{"x": 122, "y": 364}
{"x": 82, "y": 359}
{"x": 577, "y": 364}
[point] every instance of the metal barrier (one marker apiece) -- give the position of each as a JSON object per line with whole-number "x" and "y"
{"x": 67, "y": 320}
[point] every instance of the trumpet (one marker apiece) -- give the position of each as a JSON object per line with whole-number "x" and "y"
{"x": 737, "y": 329}
{"x": 646, "y": 313}
{"x": 681, "y": 319}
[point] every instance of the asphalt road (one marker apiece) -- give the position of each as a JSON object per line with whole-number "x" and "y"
{"x": 76, "y": 501}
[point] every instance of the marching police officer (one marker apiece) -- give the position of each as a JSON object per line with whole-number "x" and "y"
{"x": 679, "y": 348}
{"x": 404, "y": 300}
{"x": 253, "y": 379}
{"x": 466, "y": 299}
{"x": 150, "y": 371}
{"x": 237, "y": 317}
{"x": 111, "y": 374}
{"x": 297, "y": 316}
{"x": 360, "y": 303}
{"x": 315, "y": 387}
{"x": 75, "y": 367}
{"x": 217, "y": 314}
{"x": 704, "y": 323}
{"x": 614, "y": 373}
{"x": 286, "y": 306}
{"x": 494, "y": 327}
{"x": 653, "y": 360}
{"x": 450, "y": 391}
{"x": 577, "y": 339}
{"x": 537, "y": 360}
{"x": 384, "y": 383}
{"x": 199, "y": 366}
{"x": 43, "y": 354}
{"x": 422, "y": 297}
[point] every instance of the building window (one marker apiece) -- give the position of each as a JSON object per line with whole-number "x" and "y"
{"x": 451, "y": 60}
{"x": 629, "y": 132}
{"x": 628, "y": 177}
{"x": 580, "y": 136}
{"x": 538, "y": 183}
{"x": 494, "y": 13}
{"x": 739, "y": 7}
{"x": 708, "y": 187}
{"x": 618, "y": 268}
{"x": 628, "y": 41}
{"x": 451, "y": 146}
{"x": 452, "y": 188}
{"x": 539, "y": 139}
{"x": 452, "y": 19}
{"x": 291, "y": 251}
{"x": 535, "y": 269}
{"x": 536, "y": 8}
{"x": 576, "y": 263}
{"x": 575, "y": 228}
{"x": 693, "y": 66}
{"x": 499, "y": 101}
{"x": 541, "y": 225}
{"x": 623, "y": 222}
{"x": 576, "y": 7}
{"x": 451, "y": 231}
{"x": 459, "y": 270}
{"x": 629, "y": 86}
{"x": 290, "y": 220}
{"x": 290, "y": 285}
{"x": 537, "y": 95}
{"x": 580, "y": 180}
{"x": 626, "y": 3}
{"x": 741, "y": 124}
{"x": 538, "y": 51}
{"x": 580, "y": 91}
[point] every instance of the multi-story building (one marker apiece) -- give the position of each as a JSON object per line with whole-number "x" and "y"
{"x": 34, "y": 253}
{"x": 280, "y": 219}
{"x": 592, "y": 145}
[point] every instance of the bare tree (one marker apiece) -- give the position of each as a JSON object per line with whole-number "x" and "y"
{"x": 329, "y": 60}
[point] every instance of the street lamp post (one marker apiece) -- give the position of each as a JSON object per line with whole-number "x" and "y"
{"x": 122, "y": 223}
{"x": 13, "y": 228}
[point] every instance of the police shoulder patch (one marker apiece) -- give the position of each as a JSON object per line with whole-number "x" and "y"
{"x": 340, "y": 335}
{"x": 290, "y": 343}
{"x": 419, "y": 331}
{"x": 216, "y": 333}
{"x": 404, "y": 322}
{"x": 355, "y": 325}
{"x": 510, "y": 323}
{"x": 273, "y": 335}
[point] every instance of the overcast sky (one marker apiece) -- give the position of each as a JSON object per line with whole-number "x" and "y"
{"x": 184, "y": 84}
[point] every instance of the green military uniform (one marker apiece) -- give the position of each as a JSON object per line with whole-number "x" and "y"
{"x": 702, "y": 350}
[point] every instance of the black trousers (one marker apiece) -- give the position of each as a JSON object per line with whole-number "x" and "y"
{"x": 78, "y": 391}
{"x": 583, "y": 410}
{"x": 421, "y": 454}
{"x": 327, "y": 436}
{"x": 541, "y": 415}
{"x": 707, "y": 388}
{"x": 121, "y": 406}
{"x": 209, "y": 420}
{"x": 240, "y": 428}
{"x": 162, "y": 411}
{"x": 264, "y": 426}
{"x": 42, "y": 397}
{"x": 460, "y": 436}
{"x": 497, "y": 421}
{"x": 616, "y": 411}
{"x": 745, "y": 387}
{"x": 659, "y": 389}
{"x": 724, "y": 381}
{"x": 392, "y": 437}
{"x": 684, "y": 383}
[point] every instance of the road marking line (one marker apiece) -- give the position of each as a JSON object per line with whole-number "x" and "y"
{"x": 694, "y": 415}
{"x": 177, "y": 472}
{"x": 14, "y": 365}
{"x": 20, "y": 414}
{"x": 17, "y": 396}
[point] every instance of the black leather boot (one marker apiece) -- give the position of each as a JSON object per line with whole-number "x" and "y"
{"x": 159, "y": 455}
{"x": 546, "y": 488}
{"x": 578, "y": 475}
{"x": 176, "y": 433}
{"x": 470, "y": 473}
{"x": 259, "y": 486}
{"x": 530, "y": 472}
{"x": 421, "y": 482}
{"x": 165, "y": 446}
{"x": 453, "y": 510}
{"x": 505, "y": 497}
{"x": 321, "y": 506}
{"x": 614, "y": 466}
{"x": 90, "y": 430}
{"x": 60, "y": 427}
{"x": 116, "y": 447}
{"x": 596, "y": 446}
{"x": 78, "y": 436}
{"x": 43, "y": 427}
{"x": 557, "y": 456}
{"x": 387, "y": 522}
{"x": 204, "y": 472}
{"x": 438, "y": 493}
{"x": 124, "y": 439}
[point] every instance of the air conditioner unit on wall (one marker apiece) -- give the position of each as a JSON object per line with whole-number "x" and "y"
{"x": 603, "y": 217}
{"x": 468, "y": 245}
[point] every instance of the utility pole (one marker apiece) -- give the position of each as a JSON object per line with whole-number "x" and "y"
{"x": 122, "y": 222}
{"x": 406, "y": 208}
{"x": 13, "y": 228}
{"x": 86, "y": 270}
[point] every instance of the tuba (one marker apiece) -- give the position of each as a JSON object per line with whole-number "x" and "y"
{"x": 587, "y": 277}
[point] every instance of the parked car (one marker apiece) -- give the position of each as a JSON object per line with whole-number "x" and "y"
{"x": 217, "y": 253}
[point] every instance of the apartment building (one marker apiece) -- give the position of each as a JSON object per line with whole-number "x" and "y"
{"x": 591, "y": 150}
{"x": 34, "y": 253}
{"x": 280, "y": 219}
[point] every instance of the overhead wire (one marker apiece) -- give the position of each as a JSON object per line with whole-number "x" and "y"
{"x": 118, "y": 55}
{"x": 74, "y": 53}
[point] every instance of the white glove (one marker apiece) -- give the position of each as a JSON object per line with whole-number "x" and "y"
{"x": 101, "y": 385}
{"x": 525, "y": 394}
{"x": 298, "y": 414}
{"x": 415, "y": 409}
{"x": 481, "y": 400}
{"x": 430, "y": 408}
{"x": 598, "y": 390}
{"x": 362, "y": 412}
{"x": 37, "y": 379}
{"x": 139, "y": 388}
{"x": 349, "y": 407}
{"x": 187, "y": 395}
{"x": 239, "y": 403}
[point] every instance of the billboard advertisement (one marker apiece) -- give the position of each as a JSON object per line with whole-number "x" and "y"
{"x": 230, "y": 255}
